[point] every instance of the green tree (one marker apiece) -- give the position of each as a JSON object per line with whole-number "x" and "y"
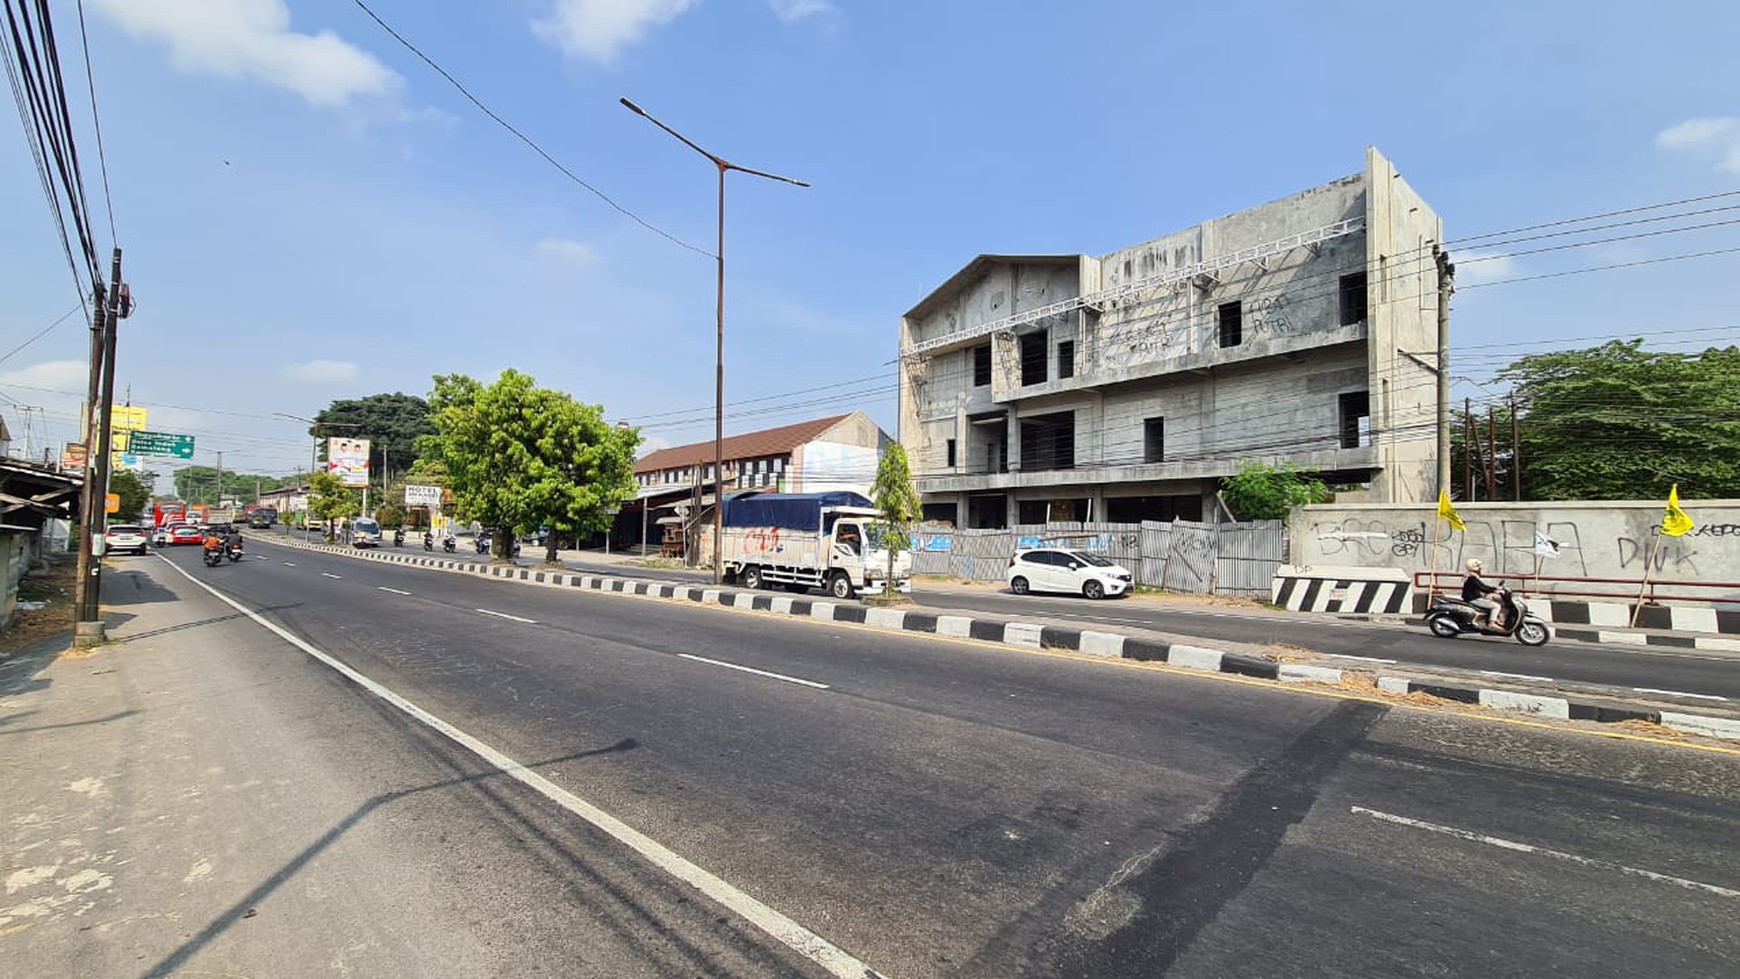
{"x": 520, "y": 457}
{"x": 392, "y": 423}
{"x": 134, "y": 493}
{"x": 894, "y": 494}
{"x": 330, "y": 500}
{"x": 1619, "y": 422}
{"x": 1265, "y": 492}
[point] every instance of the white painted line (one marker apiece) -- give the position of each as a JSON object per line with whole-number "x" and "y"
{"x": 504, "y": 615}
{"x": 1679, "y": 693}
{"x": 1542, "y": 851}
{"x": 747, "y": 669}
{"x": 1364, "y": 659}
{"x": 328, "y": 574}
{"x": 1517, "y": 676}
{"x": 393, "y": 590}
{"x": 786, "y": 931}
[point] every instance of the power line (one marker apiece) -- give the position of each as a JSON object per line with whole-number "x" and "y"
{"x": 40, "y": 334}
{"x": 97, "y": 122}
{"x": 571, "y": 175}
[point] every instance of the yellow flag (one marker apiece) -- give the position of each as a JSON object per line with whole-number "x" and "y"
{"x": 1675, "y": 522}
{"x": 1447, "y": 512}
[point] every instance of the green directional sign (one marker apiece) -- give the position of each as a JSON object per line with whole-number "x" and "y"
{"x": 160, "y": 444}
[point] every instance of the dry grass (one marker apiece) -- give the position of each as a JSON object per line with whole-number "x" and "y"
{"x": 1651, "y": 729}
{"x": 53, "y": 585}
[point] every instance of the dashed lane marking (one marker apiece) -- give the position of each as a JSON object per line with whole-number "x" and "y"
{"x": 328, "y": 574}
{"x": 748, "y": 669}
{"x": 504, "y": 615}
{"x": 393, "y": 590}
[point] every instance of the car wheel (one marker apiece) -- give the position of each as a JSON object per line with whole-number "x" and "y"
{"x": 752, "y": 578}
{"x": 840, "y": 586}
{"x": 1094, "y": 589}
{"x": 1018, "y": 585}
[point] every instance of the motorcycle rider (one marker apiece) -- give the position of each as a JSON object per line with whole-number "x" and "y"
{"x": 399, "y": 537}
{"x": 1474, "y": 592}
{"x": 428, "y": 540}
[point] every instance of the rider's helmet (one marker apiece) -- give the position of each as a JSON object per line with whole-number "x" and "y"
{"x": 1474, "y": 565}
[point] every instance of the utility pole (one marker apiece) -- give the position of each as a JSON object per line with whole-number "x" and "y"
{"x": 89, "y": 628}
{"x": 1515, "y": 452}
{"x": 1468, "y": 448}
{"x": 1491, "y": 457}
{"x": 89, "y": 624}
{"x": 1446, "y": 286}
{"x": 218, "y": 497}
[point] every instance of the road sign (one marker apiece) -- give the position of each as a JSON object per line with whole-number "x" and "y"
{"x": 160, "y": 444}
{"x": 111, "y": 503}
{"x": 422, "y": 496}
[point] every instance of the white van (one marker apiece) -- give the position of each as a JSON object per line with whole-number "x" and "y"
{"x": 365, "y": 532}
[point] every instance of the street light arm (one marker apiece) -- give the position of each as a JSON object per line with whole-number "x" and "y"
{"x": 764, "y": 173}
{"x": 649, "y": 117}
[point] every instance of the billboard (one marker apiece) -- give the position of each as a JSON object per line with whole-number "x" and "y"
{"x": 348, "y": 459}
{"x": 422, "y": 496}
{"x": 72, "y": 456}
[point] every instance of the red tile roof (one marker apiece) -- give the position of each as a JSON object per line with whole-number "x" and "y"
{"x": 754, "y": 445}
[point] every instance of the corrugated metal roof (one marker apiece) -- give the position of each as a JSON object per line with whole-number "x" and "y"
{"x": 754, "y": 445}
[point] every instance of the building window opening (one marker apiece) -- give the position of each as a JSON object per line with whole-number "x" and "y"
{"x": 1065, "y": 358}
{"x": 1232, "y": 323}
{"x": 951, "y": 454}
{"x": 1048, "y": 441}
{"x": 1153, "y": 439}
{"x": 982, "y": 366}
{"x": 1034, "y": 347}
{"x": 1353, "y": 298}
{"x": 1355, "y": 419}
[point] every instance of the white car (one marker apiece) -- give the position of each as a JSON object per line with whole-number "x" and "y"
{"x": 124, "y": 537}
{"x": 160, "y": 536}
{"x": 1055, "y": 569}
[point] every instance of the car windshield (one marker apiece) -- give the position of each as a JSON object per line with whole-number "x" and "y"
{"x": 1093, "y": 559}
{"x": 368, "y": 526}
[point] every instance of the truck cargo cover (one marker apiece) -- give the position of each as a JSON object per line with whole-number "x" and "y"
{"x": 791, "y": 511}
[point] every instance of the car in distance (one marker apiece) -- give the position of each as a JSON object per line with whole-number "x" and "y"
{"x": 365, "y": 532}
{"x": 160, "y": 536}
{"x": 1056, "y": 569}
{"x": 183, "y": 533}
{"x": 125, "y": 537}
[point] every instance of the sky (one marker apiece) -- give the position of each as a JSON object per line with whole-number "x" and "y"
{"x": 309, "y": 212}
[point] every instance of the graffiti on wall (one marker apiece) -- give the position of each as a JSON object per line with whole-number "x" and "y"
{"x": 1504, "y": 546}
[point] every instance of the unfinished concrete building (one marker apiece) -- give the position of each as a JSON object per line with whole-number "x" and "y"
{"x": 1039, "y": 388}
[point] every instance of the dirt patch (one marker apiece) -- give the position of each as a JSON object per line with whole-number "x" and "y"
{"x": 1365, "y": 685}
{"x": 1652, "y": 730}
{"x": 52, "y": 586}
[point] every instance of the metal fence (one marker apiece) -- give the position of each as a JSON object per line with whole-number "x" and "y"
{"x": 1181, "y": 556}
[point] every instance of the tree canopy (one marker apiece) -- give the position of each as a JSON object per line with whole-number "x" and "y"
{"x": 135, "y": 495}
{"x": 519, "y": 457}
{"x": 1619, "y": 422}
{"x": 1265, "y": 492}
{"x": 200, "y": 484}
{"x": 330, "y": 499}
{"x": 391, "y": 422}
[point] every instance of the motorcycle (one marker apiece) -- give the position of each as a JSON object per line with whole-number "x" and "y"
{"x": 1450, "y": 617}
{"x": 448, "y": 544}
{"x": 428, "y": 542}
{"x": 234, "y": 551}
{"x": 482, "y": 543}
{"x": 399, "y": 537}
{"x": 214, "y": 552}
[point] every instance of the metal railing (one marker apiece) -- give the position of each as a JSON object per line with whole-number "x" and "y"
{"x": 1651, "y": 592}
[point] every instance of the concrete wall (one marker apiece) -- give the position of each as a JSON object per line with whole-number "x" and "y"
{"x": 1600, "y": 539}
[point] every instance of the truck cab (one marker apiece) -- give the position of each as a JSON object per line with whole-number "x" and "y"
{"x": 831, "y": 541}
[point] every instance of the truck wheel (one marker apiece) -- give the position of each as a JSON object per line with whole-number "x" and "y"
{"x": 752, "y": 578}
{"x": 840, "y": 586}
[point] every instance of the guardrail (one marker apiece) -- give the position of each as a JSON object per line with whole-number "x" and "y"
{"x": 1652, "y": 592}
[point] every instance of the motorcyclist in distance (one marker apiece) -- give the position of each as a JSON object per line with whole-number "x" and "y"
{"x": 1475, "y": 590}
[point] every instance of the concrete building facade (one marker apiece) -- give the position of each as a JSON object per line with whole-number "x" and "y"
{"x": 1123, "y": 387}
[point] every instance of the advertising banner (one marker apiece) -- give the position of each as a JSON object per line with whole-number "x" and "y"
{"x": 423, "y": 496}
{"x": 348, "y": 459}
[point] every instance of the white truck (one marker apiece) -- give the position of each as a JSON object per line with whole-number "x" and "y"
{"x": 809, "y": 540}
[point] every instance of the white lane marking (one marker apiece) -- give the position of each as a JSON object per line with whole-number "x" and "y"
{"x": 504, "y": 615}
{"x": 289, "y": 564}
{"x": 783, "y": 929}
{"x": 1368, "y": 659}
{"x": 1517, "y": 676}
{"x": 328, "y": 574}
{"x": 1679, "y": 693}
{"x": 393, "y": 590}
{"x": 746, "y": 669}
{"x": 1504, "y": 844}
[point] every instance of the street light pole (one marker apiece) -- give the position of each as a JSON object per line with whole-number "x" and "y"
{"x": 722, "y": 165}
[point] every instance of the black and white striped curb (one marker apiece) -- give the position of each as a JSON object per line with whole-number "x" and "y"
{"x": 1031, "y": 635}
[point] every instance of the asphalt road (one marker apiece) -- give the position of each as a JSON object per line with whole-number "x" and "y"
{"x": 939, "y": 808}
{"x": 1656, "y": 669}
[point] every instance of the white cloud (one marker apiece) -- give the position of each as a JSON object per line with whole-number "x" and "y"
{"x": 1719, "y": 137}
{"x": 565, "y": 251}
{"x": 598, "y": 29}
{"x": 253, "y": 39}
{"x": 795, "y": 10}
{"x": 321, "y": 371}
{"x": 50, "y": 376}
{"x": 1476, "y": 268}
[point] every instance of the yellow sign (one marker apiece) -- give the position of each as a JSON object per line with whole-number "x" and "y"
{"x": 111, "y": 503}
{"x": 127, "y": 418}
{"x": 1675, "y": 522}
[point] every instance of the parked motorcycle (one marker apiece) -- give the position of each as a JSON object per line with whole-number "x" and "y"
{"x": 1450, "y": 617}
{"x": 448, "y": 544}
